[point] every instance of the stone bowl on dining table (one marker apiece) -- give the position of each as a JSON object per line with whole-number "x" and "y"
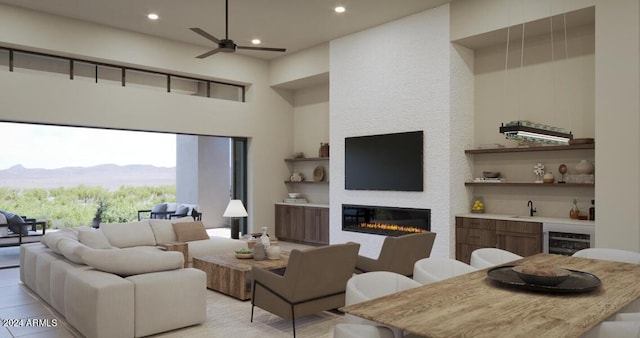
{"x": 541, "y": 275}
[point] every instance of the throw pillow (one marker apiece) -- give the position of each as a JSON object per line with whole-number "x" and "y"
{"x": 182, "y": 210}
{"x": 159, "y": 208}
{"x": 190, "y": 231}
{"x": 3, "y": 230}
{"x": 94, "y": 239}
{"x": 16, "y": 223}
{"x": 132, "y": 261}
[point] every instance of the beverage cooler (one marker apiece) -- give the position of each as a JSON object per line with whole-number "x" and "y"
{"x": 566, "y": 239}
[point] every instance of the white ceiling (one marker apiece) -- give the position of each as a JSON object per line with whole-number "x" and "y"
{"x": 291, "y": 24}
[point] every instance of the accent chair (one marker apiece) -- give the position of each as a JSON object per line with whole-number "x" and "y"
{"x": 399, "y": 254}
{"x": 314, "y": 280}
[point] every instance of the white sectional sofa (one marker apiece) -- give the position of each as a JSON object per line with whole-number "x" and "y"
{"x": 117, "y": 281}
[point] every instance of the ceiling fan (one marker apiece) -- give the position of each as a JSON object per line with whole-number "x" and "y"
{"x": 227, "y": 45}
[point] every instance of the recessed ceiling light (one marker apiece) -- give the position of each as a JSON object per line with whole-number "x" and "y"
{"x": 339, "y": 9}
{"x": 256, "y": 41}
{"x": 152, "y": 16}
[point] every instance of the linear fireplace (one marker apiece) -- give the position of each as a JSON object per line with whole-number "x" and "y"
{"x": 388, "y": 221}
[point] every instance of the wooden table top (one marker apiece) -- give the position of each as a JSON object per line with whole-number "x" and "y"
{"x": 229, "y": 260}
{"x": 471, "y": 305}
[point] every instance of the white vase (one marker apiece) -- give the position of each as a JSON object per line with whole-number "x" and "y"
{"x": 273, "y": 252}
{"x": 584, "y": 167}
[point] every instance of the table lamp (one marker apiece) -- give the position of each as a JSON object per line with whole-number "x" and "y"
{"x": 234, "y": 210}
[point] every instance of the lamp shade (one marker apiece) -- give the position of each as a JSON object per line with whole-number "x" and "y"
{"x": 235, "y": 209}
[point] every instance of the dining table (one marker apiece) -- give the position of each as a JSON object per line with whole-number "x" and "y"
{"x": 478, "y": 304}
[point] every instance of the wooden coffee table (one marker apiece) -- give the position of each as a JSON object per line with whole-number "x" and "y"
{"x": 232, "y": 276}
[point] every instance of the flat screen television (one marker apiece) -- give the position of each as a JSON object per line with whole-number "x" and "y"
{"x": 384, "y": 162}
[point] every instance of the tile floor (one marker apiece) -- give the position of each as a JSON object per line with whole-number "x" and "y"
{"x": 18, "y": 303}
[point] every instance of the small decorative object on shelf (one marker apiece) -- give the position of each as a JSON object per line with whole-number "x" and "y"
{"x": 575, "y": 212}
{"x": 585, "y": 167}
{"x": 592, "y": 211}
{"x": 562, "y": 169}
{"x": 264, "y": 239}
{"x": 259, "y": 252}
{"x": 324, "y": 150}
{"x": 478, "y": 205}
{"x": 548, "y": 177}
{"x": 273, "y": 252}
{"x": 296, "y": 177}
{"x": 298, "y": 155}
{"x": 538, "y": 170}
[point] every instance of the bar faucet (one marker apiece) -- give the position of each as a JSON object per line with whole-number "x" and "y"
{"x": 531, "y": 208}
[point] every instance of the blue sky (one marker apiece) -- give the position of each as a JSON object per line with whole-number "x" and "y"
{"x": 50, "y": 147}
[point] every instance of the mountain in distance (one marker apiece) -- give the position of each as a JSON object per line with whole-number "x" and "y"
{"x": 109, "y": 176}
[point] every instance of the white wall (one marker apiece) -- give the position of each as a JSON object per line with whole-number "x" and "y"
{"x": 618, "y": 124}
{"x": 392, "y": 78}
{"x": 616, "y": 99}
{"x": 310, "y": 127}
{"x": 266, "y": 118}
{"x": 214, "y": 177}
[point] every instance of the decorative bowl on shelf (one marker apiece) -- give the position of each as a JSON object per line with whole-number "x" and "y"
{"x": 294, "y": 195}
{"x": 538, "y": 275}
{"x": 491, "y": 174}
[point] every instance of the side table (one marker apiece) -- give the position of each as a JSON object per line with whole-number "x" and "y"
{"x": 180, "y": 247}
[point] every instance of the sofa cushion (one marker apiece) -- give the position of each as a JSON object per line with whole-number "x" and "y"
{"x": 214, "y": 246}
{"x": 72, "y": 250}
{"x": 51, "y": 239}
{"x": 163, "y": 229}
{"x": 190, "y": 231}
{"x": 125, "y": 235}
{"x": 94, "y": 239}
{"x": 132, "y": 261}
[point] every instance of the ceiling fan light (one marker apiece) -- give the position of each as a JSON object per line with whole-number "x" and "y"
{"x": 152, "y": 16}
{"x": 340, "y": 9}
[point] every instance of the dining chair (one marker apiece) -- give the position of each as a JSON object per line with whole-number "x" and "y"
{"x": 608, "y": 254}
{"x": 398, "y": 254}
{"x": 434, "y": 269}
{"x": 490, "y": 257}
{"x": 616, "y": 255}
{"x": 345, "y": 330}
{"x": 372, "y": 285}
{"x": 614, "y": 329}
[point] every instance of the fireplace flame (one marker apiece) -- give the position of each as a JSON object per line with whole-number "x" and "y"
{"x": 391, "y": 227}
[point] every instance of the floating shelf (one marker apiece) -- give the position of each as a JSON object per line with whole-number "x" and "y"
{"x": 528, "y": 149}
{"x": 529, "y": 184}
{"x": 303, "y": 182}
{"x": 303, "y": 159}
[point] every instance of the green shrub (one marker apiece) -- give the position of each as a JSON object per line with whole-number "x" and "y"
{"x": 75, "y": 206}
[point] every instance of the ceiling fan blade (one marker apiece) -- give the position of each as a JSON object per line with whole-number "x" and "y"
{"x": 205, "y": 34}
{"x": 209, "y": 53}
{"x": 263, "y": 48}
